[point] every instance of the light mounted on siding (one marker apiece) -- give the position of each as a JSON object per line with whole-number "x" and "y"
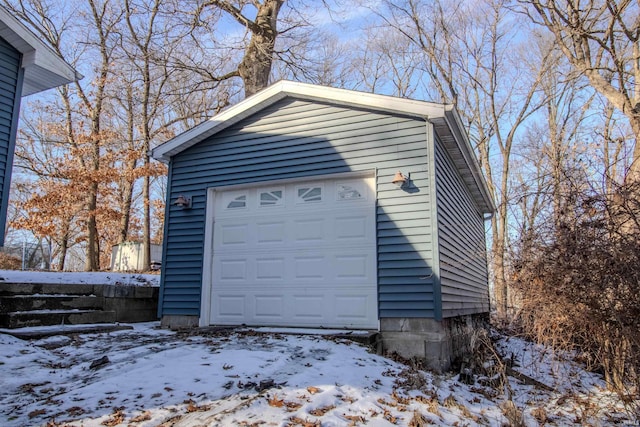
{"x": 183, "y": 202}
{"x": 400, "y": 179}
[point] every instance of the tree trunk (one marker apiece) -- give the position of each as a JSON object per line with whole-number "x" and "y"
{"x": 146, "y": 228}
{"x": 255, "y": 67}
{"x": 92, "y": 262}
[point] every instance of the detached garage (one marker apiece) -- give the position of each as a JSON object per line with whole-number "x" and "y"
{"x": 308, "y": 206}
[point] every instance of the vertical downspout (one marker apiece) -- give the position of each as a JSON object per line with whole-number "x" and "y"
{"x": 433, "y": 195}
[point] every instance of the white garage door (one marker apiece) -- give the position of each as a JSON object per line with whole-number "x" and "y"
{"x": 296, "y": 254}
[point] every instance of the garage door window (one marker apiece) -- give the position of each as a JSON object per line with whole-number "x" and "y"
{"x": 309, "y": 194}
{"x": 239, "y": 202}
{"x": 348, "y": 192}
{"x": 271, "y": 197}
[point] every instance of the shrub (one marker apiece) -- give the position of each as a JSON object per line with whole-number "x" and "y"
{"x": 578, "y": 287}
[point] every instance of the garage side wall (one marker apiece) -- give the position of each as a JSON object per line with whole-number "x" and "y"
{"x": 461, "y": 242}
{"x": 293, "y": 139}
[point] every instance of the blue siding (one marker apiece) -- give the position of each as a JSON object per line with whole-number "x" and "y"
{"x": 295, "y": 138}
{"x": 461, "y": 243}
{"x": 10, "y": 91}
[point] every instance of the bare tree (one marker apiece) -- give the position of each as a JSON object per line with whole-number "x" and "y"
{"x": 472, "y": 60}
{"x": 254, "y": 68}
{"x": 601, "y": 39}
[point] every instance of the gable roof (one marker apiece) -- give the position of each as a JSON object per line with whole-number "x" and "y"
{"x": 43, "y": 68}
{"x": 444, "y": 117}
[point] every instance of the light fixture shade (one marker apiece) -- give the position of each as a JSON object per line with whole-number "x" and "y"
{"x": 399, "y": 179}
{"x": 183, "y": 202}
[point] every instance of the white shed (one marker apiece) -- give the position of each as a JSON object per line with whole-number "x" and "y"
{"x": 128, "y": 256}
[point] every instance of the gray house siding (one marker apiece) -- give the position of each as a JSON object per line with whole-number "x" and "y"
{"x": 11, "y": 75}
{"x": 295, "y": 138}
{"x": 463, "y": 267}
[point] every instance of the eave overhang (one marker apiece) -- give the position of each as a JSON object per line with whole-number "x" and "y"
{"x": 43, "y": 68}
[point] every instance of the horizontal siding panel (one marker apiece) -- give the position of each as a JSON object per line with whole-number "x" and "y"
{"x": 409, "y": 223}
{"x": 407, "y": 288}
{"x": 392, "y": 281}
{"x": 416, "y": 201}
{"x": 460, "y": 304}
{"x": 186, "y": 289}
{"x": 8, "y": 80}
{"x": 400, "y": 305}
{"x": 183, "y": 264}
{"x": 469, "y": 271}
{"x": 182, "y": 251}
{"x": 408, "y": 231}
{"x": 424, "y": 238}
{"x": 181, "y": 279}
{"x": 460, "y": 293}
{"x": 402, "y": 263}
{"x": 405, "y": 256}
{"x": 294, "y": 139}
{"x": 422, "y": 271}
{"x": 182, "y": 297}
{"x": 412, "y": 296}
{"x": 398, "y": 217}
{"x": 421, "y": 247}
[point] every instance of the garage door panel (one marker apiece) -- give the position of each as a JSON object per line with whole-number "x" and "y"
{"x": 270, "y": 268}
{"x": 351, "y": 267}
{"x": 309, "y": 230}
{"x": 269, "y": 308}
{"x": 309, "y": 267}
{"x": 271, "y": 232}
{"x": 296, "y": 255}
{"x": 352, "y": 308}
{"x": 230, "y": 308}
{"x": 233, "y": 269}
{"x": 234, "y": 234}
{"x": 309, "y": 307}
{"x": 351, "y": 227}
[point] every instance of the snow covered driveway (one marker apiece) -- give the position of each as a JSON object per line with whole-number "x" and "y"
{"x": 152, "y": 377}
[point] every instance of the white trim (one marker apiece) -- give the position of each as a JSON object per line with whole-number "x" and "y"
{"x": 364, "y": 173}
{"x": 207, "y": 260}
{"x": 44, "y": 69}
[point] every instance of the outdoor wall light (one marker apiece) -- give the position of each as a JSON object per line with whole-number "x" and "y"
{"x": 400, "y": 179}
{"x": 183, "y": 202}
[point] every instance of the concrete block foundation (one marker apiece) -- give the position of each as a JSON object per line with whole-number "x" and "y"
{"x": 179, "y": 322}
{"x": 437, "y": 343}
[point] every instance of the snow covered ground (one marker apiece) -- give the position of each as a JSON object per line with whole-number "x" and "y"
{"x": 91, "y": 278}
{"x": 151, "y": 377}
